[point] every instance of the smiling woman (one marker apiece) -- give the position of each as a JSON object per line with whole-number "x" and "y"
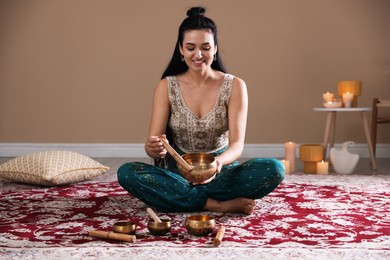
{"x": 202, "y": 109}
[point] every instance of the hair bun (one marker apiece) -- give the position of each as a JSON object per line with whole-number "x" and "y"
{"x": 194, "y": 11}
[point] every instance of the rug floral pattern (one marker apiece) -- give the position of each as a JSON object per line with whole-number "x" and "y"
{"x": 338, "y": 213}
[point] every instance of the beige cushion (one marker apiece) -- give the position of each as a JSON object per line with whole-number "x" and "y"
{"x": 51, "y": 168}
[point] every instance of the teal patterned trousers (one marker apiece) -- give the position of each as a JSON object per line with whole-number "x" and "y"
{"x": 166, "y": 191}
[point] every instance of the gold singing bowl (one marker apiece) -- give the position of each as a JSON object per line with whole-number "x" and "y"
{"x": 204, "y": 167}
{"x": 125, "y": 227}
{"x": 159, "y": 228}
{"x": 200, "y": 225}
{"x": 195, "y": 167}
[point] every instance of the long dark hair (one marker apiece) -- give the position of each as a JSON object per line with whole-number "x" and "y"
{"x": 195, "y": 21}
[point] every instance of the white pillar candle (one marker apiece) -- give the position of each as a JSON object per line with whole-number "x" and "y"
{"x": 289, "y": 149}
{"x": 286, "y": 164}
{"x": 322, "y": 167}
{"x": 327, "y": 96}
{"x": 347, "y": 99}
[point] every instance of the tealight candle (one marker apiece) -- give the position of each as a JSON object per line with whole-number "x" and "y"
{"x": 327, "y": 96}
{"x": 322, "y": 167}
{"x": 286, "y": 164}
{"x": 347, "y": 99}
{"x": 289, "y": 149}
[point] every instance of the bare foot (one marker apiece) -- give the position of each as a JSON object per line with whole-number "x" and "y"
{"x": 238, "y": 205}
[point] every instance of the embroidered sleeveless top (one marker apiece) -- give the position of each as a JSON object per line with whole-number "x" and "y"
{"x": 193, "y": 134}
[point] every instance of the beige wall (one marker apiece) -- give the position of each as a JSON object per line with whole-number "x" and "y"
{"x": 83, "y": 71}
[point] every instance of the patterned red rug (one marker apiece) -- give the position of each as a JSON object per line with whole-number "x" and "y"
{"x": 305, "y": 217}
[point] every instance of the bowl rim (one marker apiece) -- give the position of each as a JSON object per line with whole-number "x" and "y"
{"x": 124, "y": 223}
{"x": 163, "y": 220}
{"x": 189, "y": 218}
{"x": 199, "y": 153}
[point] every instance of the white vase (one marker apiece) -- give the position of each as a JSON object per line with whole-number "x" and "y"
{"x": 342, "y": 160}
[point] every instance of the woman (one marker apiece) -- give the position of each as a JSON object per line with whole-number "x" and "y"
{"x": 205, "y": 110}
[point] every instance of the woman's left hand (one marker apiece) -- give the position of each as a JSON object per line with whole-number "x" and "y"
{"x": 219, "y": 166}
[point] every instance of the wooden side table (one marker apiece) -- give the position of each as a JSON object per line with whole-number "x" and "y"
{"x": 330, "y": 127}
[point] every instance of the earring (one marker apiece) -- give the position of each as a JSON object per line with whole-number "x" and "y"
{"x": 182, "y": 58}
{"x": 215, "y": 57}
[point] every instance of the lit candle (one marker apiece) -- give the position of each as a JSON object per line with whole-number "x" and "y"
{"x": 328, "y": 104}
{"x": 286, "y": 164}
{"x": 322, "y": 167}
{"x": 289, "y": 149}
{"x": 327, "y": 96}
{"x": 347, "y": 99}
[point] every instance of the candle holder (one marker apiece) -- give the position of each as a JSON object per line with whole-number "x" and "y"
{"x": 310, "y": 154}
{"x": 335, "y": 103}
{"x": 351, "y": 86}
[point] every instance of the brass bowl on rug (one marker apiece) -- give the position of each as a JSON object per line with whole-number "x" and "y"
{"x": 200, "y": 225}
{"x": 125, "y": 227}
{"x": 159, "y": 228}
{"x": 204, "y": 165}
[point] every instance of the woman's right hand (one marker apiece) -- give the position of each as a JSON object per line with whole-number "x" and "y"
{"x": 155, "y": 147}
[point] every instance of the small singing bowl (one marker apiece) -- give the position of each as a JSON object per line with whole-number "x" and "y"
{"x": 159, "y": 228}
{"x": 204, "y": 165}
{"x": 200, "y": 225}
{"x": 125, "y": 227}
